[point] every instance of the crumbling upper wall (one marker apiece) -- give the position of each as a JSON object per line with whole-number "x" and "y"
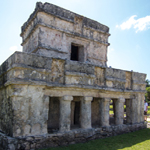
{"x": 6, "y": 112}
{"x": 65, "y": 15}
{"x": 51, "y": 30}
{"x": 36, "y": 69}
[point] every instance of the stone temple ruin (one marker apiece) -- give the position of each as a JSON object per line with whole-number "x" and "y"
{"x": 58, "y": 90}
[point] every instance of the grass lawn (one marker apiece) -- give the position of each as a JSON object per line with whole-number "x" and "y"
{"x": 139, "y": 140}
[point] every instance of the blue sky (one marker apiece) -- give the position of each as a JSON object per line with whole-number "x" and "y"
{"x": 128, "y": 20}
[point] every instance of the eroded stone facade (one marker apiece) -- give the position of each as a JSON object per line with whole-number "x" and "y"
{"x": 60, "y": 84}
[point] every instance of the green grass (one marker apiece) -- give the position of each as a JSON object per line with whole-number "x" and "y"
{"x": 139, "y": 140}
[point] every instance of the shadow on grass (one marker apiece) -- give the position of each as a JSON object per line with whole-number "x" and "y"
{"x": 139, "y": 140}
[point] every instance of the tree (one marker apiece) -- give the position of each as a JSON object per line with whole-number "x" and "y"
{"x": 147, "y": 83}
{"x": 147, "y": 95}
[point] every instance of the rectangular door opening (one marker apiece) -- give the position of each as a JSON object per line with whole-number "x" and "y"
{"x": 74, "y": 53}
{"x": 75, "y": 113}
{"x": 53, "y": 115}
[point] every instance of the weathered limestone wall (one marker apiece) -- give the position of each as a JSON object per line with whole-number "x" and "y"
{"x": 115, "y": 78}
{"x": 128, "y": 84}
{"x": 6, "y": 112}
{"x": 49, "y": 33}
{"x": 138, "y": 79}
{"x": 30, "y": 107}
{"x": 79, "y": 73}
{"x": 33, "y": 42}
{"x": 24, "y": 67}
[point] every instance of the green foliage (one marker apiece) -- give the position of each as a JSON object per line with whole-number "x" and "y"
{"x": 111, "y": 109}
{"x": 111, "y": 112}
{"x": 147, "y": 83}
{"x": 147, "y": 95}
{"x": 139, "y": 140}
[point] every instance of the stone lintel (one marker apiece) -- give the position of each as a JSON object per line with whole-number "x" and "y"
{"x": 121, "y": 100}
{"x": 106, "y": 99}
{"x": 67, "y": 98}
{"x": 87, "y": 98}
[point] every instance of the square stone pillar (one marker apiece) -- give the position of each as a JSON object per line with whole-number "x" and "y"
{"x": 119, "y": 111}
{"x": 104, "y": 111}
{"x": 131, "y": 111}
{"x": 65, "y": 113}
{"x": 142, "y": 107}
{"x": 134, "y": 111}
{"x": 140, "y": 103}
{"x": 86, "y": 112}
{"x": 137, "y": 108}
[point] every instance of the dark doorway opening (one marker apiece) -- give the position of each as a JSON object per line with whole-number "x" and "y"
{"x": 74, "y": 53}
{"x": 112, "y": 113}
{"x": 77, "y": 113}
{"x": 95, "y": 113}
{"x": 53, "y": 115}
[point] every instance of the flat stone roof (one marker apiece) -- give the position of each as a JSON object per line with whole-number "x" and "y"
{"x": 65, "y": 15}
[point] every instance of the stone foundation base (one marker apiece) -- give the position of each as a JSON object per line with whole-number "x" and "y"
{"x": 65, "y": 138}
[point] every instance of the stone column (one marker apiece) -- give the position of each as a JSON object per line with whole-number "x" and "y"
{"x": 104, "y": 111}
{"x": 141, "y": 98}
{"x": 65, "y": 113}
{"x": 86, "y": 112}
{"x": 142, "y": 107}
{"x": 134, "y": 110}
{"x": 119, "y": 110}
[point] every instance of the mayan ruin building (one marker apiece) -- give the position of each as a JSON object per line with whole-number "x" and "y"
{"x": 59, "y": 89}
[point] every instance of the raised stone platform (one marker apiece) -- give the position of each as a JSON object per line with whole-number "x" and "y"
{"x": 64, "y": 139}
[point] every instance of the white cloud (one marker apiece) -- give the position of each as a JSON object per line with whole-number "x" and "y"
{"x": 142, "y": 23}
{"x": 128, "y": 24}
{"x": 110, "y": 50}
{"x": 139, "y": 24}
{"x": 14, "y": 48}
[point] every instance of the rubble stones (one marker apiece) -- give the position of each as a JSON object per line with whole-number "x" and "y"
{"x": 64, "y": 139}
